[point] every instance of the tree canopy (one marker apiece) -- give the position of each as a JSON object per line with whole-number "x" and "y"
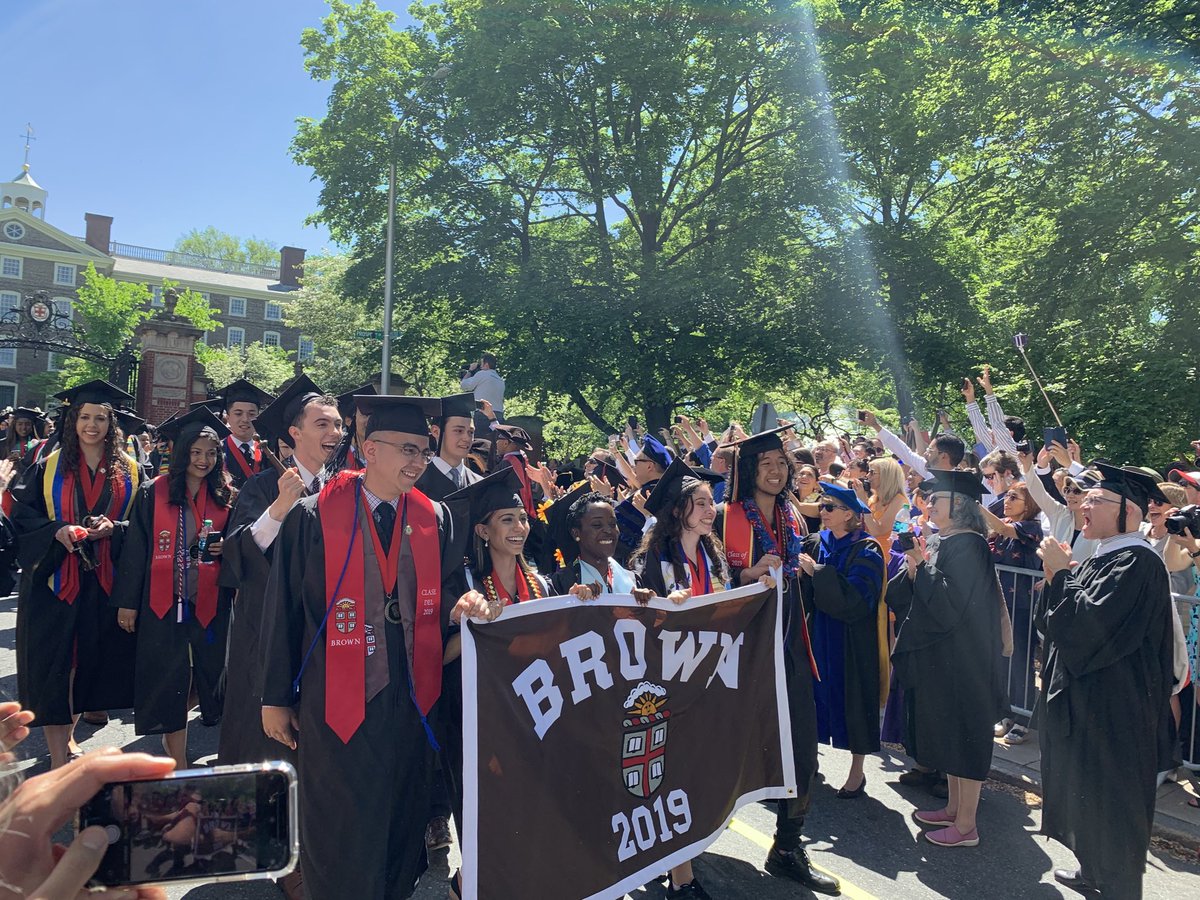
{"x": 659, "y": 205}
{"x": 213, "y": 243}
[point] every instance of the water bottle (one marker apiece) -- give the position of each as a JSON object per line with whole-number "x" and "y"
{"x": 205, "y": 530}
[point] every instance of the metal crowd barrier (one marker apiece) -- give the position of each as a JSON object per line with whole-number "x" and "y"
{"x": 1022, "y": 588}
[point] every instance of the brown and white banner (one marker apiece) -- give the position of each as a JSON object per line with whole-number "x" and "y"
{"x": 605, "y": 742}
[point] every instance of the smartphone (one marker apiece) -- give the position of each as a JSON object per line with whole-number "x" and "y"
{"x": 633, "y": 423}
{"x": 1055, "y": 434}
{"x": 1023, "y": 447}
{"x": 679, "y": 420}
{"x": 862, "y": 415}
{"x": 479, "y": 404}
{"x": 213, "y": 537}
{"x": 907, "y": 540}
{"x": 229, "y": 823}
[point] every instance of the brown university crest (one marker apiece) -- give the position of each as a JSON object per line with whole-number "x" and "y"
{"x": 644, "y": 739}
{"x": 345, "y": 616}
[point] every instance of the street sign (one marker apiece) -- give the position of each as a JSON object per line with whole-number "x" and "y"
{"x": 364, "y": 333}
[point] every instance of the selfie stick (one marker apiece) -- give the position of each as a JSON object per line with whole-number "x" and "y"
{"x": 1021, "y": 340}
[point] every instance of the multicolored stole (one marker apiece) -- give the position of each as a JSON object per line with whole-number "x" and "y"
{"x": 169, "y": 561}
{"x": 235, "y": 452}
{"x": 345, "y": 586}
{"x": 59, "y": 493}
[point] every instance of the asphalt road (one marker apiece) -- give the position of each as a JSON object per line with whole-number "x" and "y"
{"x": 871, "y": 843}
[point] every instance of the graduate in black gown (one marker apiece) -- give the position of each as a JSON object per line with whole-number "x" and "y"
{"x": 70, "y": 513}
{"x": 761, "y": 530}
{"x": 583, "y": 529}
{"x": 843, "y": 585}
{"x": 453, "y": 433}
{"x": 241, "y": 403}
{"x": 306, "y": 419}
{"x": 355, "y": 618}
{"x": 26, "y": 428}
{"x": 167, "y": 591}
{"x": 1106, "y": 685}
{"x": 949, "y": 653}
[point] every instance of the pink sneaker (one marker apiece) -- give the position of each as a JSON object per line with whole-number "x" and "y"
{"x": 933, "y": 817}
{"x": 952, "y": 837}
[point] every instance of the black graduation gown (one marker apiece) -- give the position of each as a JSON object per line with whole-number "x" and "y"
{"x": 949, "y": 656}
{"x": 848, "y": 654}
{"x": 245, "y": 568}
{"x": 1105, "y": 714}
{"x": 172, "y": 656}
{"x": 437, "y": 486}
{"x": 53, "y": 636}
{"x": 234, "y": 463}
{"x": 798, "y": 674}
{"x": 364, "y": 805}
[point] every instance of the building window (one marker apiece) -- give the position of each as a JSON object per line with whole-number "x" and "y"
{"x": 10, "y": 266}
{"x": 10, "y": 303}
{"x": 305, "y": 349}
{"x": 65, "y": 310}
{"x": 237, "y": 307}
{"x": 235, "y": 337}
{"x": 14, "y": 231}
{"x": 8, "y": 360}
{"x": 55, "y": 362}
{"x": 270, "y": 339}
{"x": 274, "y": 311}
{"x": 8, "y": 394}
{"x": 64, "y": 275}
{"x": 156, "y": 295}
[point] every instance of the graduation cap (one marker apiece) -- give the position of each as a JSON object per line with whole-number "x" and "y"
{"x": 98, "y": 391}
{"x": 24, "y": 412}
{"x": 557, "y": 516}
{"x": 956, "y": 481}
{"x": 845, "y": 496}
{"x": 462, "y": 405}
{"x": 671, "y": 485}
{"x": 654, "y": 449}
{"x": 500, "y": 490}
{"x": 392, "y": 413}
{"x": 242, "y": 391}
{"x": 273, "y": 421}
{"x": 1130, "y": 483}
{"x": 130, "y": 424}
{"x": 762, "y": 442}
{"x": 514, "y": 433}
{"x": 346, "y": 403}
{"x": 183, "y": 428}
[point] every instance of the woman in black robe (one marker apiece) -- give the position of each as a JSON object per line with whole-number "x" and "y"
{"x": 168, "y": 594}
{"x": 949, "y": 654}
{"x": 70, "y": 510}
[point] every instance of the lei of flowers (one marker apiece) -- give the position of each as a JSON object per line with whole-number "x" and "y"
{"x": 791, "y": 552}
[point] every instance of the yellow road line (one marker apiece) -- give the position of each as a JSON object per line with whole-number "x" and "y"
{"x": 854, "y": 892}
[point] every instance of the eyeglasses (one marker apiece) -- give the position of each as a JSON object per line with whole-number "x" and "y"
{"x": 1071, "y": 492}
{"x": 1014, "y": 495}
{"x": 989, "y": 477}
{"x": 1091, "y": 499}
{"x": 830, "y": 507}
{"x": 409, "y": 451}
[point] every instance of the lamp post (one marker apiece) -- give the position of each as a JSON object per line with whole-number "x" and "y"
{"x": 385, "y": 377}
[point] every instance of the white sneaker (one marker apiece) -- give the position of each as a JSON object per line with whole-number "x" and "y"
{"x": 1001, "y": 728}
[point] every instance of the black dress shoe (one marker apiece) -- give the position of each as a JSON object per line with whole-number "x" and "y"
{"x": 794, "y": 864}
{"x": 918, "y": 778}
{"x": 692, "y": 889}
{"x": 843, "y": 794}
{"x": 1072, "y": 878}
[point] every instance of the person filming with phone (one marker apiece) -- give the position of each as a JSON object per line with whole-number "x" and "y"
{"x": 482, "y": 379}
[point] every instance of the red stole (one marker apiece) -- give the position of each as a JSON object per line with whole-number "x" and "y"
{"x": 235, "y": 451}
{"x": 61, "y": 488}
{"x": 698, "y": 574}
{"x": 165, "y": 536}
{"x": 519, "y": 464}
{"x": 345, "y": 586}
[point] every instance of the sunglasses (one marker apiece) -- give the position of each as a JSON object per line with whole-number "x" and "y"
{"x": 1071, "y": 492}
{"x": 1014, "y": 495}
{"x": 830, "y": 507}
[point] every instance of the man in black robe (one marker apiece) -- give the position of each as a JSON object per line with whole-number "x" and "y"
{"x": 1106, "y": 687}
{"x": 241, "y": 403}
{"x": 366, "y": 754}
{"x": 454, "y": 433}
{"x": 306, "y": 419}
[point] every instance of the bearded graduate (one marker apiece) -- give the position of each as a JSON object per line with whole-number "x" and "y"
{"x": 454, "y": 433}
{"x": 167, "y": 591}
{"x": 1106, "y": 686}
{"x": 306, "y": 419}
{"x": 70, "y": 513}
{"x": 241, "y": 403}
{"x": 762, "y": 530}
{"x": 353, "y": 630}
{"x": 844, "y": 579}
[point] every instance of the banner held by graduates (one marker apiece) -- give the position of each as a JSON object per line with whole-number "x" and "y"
{"x": 606, "y": 742}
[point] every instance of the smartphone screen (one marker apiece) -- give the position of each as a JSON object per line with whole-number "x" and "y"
{"x": 198, "y": 824}
{"x": 1055, "y": 434}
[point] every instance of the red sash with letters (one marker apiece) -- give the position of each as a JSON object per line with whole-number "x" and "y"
{"x": 235, "y": 451}
{"x": 345, "y": 645}
{"x": 164, "y": 535}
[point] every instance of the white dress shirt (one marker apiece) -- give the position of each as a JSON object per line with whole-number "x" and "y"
{"x": 265, "y": 529}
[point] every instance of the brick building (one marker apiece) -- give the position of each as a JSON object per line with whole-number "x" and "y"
{"x": 35, "y": 256}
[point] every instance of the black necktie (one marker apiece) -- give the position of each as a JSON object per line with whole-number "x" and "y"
{"x": 315, "y": 486}
{"x": 385, "y": 521}
{"x": 248, "y": 453}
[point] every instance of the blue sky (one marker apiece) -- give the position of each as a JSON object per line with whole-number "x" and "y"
{"x": 167, "y": 115}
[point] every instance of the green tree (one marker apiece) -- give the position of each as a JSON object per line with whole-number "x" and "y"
{"x": 323, "y": 311}
{"x": 268, "y": 367}
{"x": 212, "y": 243}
